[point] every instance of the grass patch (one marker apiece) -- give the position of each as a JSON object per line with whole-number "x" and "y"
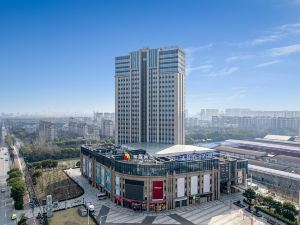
{"x": 67, "y": 163}
{"x": 57, "y": 184}
{"x": 69, "y": 217}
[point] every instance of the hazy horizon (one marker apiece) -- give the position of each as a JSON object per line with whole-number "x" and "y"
{"x": 59, "y": 57}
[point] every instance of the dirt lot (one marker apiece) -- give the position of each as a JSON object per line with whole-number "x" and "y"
{"x": 57, "y": 184}
{"x": 69, "y": 217}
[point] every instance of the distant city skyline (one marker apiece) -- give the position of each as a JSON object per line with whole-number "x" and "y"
{"x": 58, "y": 58}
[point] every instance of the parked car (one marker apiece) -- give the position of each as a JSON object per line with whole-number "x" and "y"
{"x": 3, "y": 190}
{"x": 249, "y": 209}
{"x": 256, "y": 213}
{"x": 238, "y": 203}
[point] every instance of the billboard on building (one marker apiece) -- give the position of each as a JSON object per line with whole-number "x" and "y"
{"x": 117, "y": 186}
{"x": 84, "y": 165}
{"x": 102, "y": 176}
{"x": 180, "y": 187}
{"x": 134, "y": 189}
{"x": 98, "y": 174}
{"x": 194, "y": 185}
{"x": 158, "y": 190}
{"x": 90, "y": 168}
{"x": 240, "y": 177}
{"x": 107, "y": 184}
{"x": 206, "y": 183}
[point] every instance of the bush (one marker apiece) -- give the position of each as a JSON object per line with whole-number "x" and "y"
{"x": 19, "y": 203}
{"x": 277, "y": 216}
{"x": 49, "y": 163}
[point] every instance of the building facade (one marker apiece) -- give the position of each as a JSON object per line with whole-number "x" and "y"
{"x": 137, "y": 180}
{"x": 150, "y": 96}
{"x": 107, "y": 128}
{"x": 47, "y": 131}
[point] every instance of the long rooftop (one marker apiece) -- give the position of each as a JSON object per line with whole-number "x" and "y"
{"x": 274, "y": 172}
{"x": 261, "y": 144}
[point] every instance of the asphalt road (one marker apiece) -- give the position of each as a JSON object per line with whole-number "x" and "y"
{"x": 6, "y": 203}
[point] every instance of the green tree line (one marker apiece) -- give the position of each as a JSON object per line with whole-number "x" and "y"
{"x": 17, "y": 187}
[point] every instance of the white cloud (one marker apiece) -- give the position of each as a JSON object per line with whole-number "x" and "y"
{"x": 202, "y": 68}
{"x": 283, "y": 51}
{"x": 226, "y": 71}
{"x": 192, "y": 50}
{"x": 268, "y": 63}
{"x": 237, "y": 57}
{"x": 190, "y": 57}
{"x": 275, "y": 34}
{"x": 220, "y": 99}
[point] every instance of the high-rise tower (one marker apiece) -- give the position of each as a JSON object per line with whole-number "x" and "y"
{"x": 150, "y": 96}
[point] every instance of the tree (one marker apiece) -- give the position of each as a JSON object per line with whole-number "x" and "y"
{"x": 250, "y": 194}
{"x": 23, "y": 220}
{"x": 278, "y": 207}
{"x": 269, "y": 201}
{"x": 15, "y": 174}
{"x": 289, "y": 211}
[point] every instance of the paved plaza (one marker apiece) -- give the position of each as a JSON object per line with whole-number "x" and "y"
{"x": 220, "y": 212}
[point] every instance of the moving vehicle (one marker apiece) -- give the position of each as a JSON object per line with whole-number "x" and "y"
{"x": 90, "y": 207}
{"x": 14, "y": 216}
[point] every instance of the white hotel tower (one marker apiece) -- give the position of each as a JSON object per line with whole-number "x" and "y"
{"x": 150, "y": 96}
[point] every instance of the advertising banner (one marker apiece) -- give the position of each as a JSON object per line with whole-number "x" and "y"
{"x": 157, "y": 190}
{"x": 107, "y": 181}
{"x": 206, "y": 181}
{"x": 102, "y": 176}
{"x": 117, "y": 186}
{"x": 180, "y": 187}
{"x": 240, "y": 176}
{"x": 84, "y": 165}
{"x": 98, "y": 174}
{"x": 90, "y": 168}
{"x": 194, "y": 185}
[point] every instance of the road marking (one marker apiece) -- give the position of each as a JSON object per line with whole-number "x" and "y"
{"x": 5, "y": 213}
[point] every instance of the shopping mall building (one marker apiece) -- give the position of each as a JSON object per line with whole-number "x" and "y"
{"x": 159, "y": 177}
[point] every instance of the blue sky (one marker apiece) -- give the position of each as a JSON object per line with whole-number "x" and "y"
{"x": 58, "y": 56}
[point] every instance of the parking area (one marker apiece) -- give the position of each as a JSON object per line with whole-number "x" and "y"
{"x": 221, "y": 212}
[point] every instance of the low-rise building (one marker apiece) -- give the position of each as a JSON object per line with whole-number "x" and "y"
{"x": 161, "y": 177}
{"x": 285, "y": 184}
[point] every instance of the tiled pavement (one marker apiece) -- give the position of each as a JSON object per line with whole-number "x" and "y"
{"x": 220, "y": 212}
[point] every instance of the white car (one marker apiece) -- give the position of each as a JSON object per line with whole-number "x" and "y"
{"x": 90, "y": 207}
{"x": 3, "y": 190}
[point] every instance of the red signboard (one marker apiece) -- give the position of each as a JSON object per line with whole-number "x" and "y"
{"x": 157, "y": 190}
